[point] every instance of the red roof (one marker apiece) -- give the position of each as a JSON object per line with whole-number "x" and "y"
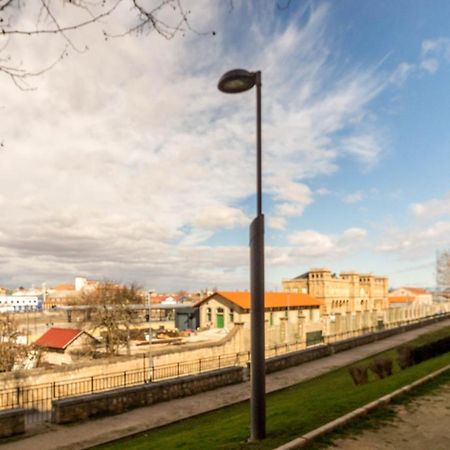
{"x": 401, "y": 299}
{"x": 271, "y": 299}
{"x": 58, "y": 338}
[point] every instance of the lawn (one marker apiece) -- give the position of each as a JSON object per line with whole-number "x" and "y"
{"x": 290, "y": 412}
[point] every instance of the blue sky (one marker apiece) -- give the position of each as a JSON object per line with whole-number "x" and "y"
{"x": 134, "y": 167}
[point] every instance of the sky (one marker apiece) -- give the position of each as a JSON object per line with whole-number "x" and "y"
{"x": 124, "y": 161}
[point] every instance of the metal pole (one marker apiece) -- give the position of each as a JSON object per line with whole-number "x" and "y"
{"x": 150, "y": 359}
{"x": 257, "y": 401}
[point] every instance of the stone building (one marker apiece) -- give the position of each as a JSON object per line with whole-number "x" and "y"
{"x": 64, "y": 345}
{"x": 289, "y": 316}
{"x": 345, "y": 293}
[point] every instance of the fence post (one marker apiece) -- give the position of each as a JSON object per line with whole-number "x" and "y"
{"x": 178, "y": 369}
{"x": 53, "y": 390}
{"x": 92, "y": 384}
{"x": 219, "y": 361}
{"x": 18, "y": 396}
{"x": 124, "y": 377}
{"x": 200, "y": 365}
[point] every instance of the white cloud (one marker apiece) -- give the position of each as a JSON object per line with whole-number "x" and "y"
{"x": 432, "y": 208}
{"x": 415, "y": 243}
{"x": 433, "y": 53}
{"x": 127, "y": 158}
{"x": 314, "y": 243}
{"x": 354, "y": 197}
{"x": 402, "y": 73}
{"x": 366, "y": 147}
{"x": 353, "y": 234}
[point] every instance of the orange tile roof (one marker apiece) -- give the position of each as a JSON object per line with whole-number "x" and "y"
{"x": 401, "y": 299}
{"x": 271, "y": 299}
{"x": 417, "y": 291}
{"x": 64, "y": 287}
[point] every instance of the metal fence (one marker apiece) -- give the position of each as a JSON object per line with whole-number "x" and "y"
{"x": 37, "y": 399}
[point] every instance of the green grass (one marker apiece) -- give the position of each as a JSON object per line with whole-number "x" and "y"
{"x": 379, "y": 417}
{"x": 290, "y": 412}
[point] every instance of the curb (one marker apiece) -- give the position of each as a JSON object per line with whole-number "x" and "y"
{"x": 307, "y": 438}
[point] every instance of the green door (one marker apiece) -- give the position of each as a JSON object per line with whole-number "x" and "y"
{"x": 220, "y": 321}
{"x": 313, "y": 338}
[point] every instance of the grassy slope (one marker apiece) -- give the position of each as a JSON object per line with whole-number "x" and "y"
{"x": 290, "y": 412}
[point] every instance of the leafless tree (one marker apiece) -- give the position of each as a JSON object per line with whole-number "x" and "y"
{"x": 443, "y": 274}
{"x": 63, "y": 18}
{"x": 111, "y": 313}
{"x": 10, "y": 350}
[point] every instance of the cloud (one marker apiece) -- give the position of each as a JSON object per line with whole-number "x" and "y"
{"x": 354, "y": 197}
{"x": 432, "y": 208}
{"x": 433, "y": 53}
{"x": 415, "y": 243}
{"x": 314, "y": 243}
{"x": 127, "y": 159}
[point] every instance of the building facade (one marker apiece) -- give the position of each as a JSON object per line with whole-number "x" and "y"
{"x": 411, "y": 297}
{"x": 345, "y": 293}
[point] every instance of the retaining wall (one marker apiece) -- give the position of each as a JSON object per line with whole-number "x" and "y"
{"x": 12, "y": 422}
{"x": 120, "y": 400}
{"x": 296, "y": 358}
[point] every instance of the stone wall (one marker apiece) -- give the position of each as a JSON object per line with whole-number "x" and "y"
{"x": 296, "y": 358}
{"x": 120, "y": 400}
{"x": 12, "y": 422}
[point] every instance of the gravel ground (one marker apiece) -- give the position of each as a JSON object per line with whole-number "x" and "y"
{"x": 421, "y": 424}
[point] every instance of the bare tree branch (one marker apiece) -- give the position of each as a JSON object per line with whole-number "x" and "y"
{"x": 51, "y": 19}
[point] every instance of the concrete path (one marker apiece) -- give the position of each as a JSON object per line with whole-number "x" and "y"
{"x": 423, "y": 423}
{"x": 94, "y": 432}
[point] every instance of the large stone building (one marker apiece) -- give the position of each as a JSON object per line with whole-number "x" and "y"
{"x": 344, "y": 293}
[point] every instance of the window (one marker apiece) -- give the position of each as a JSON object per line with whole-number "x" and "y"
{"x": 231, "y": 316}
{"x": 208, "y": 314}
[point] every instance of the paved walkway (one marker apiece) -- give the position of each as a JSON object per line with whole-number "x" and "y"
{"x": 94, "y": 432}
{"x": 423, "y": 423}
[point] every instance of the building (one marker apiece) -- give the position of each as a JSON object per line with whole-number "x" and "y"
{"x": 411, "y": 296}
{"x": 400, "y": 301}
{"x": 289, "y": 316}
{"x": 20, "y": 303}
{"x": 344, "y": 293}
{"x": 64, "y": 345}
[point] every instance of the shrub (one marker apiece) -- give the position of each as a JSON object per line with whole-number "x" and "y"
{"x": 405, "y": 357}
{"x": 359, "y": 374}
{"x": 381, "y": 367}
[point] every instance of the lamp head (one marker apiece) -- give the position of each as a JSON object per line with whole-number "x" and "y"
{"x": 236, "y": 81}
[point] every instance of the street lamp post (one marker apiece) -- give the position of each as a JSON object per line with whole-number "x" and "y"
{"x": 150, "y": 356}
{"x": 234, "y": 82}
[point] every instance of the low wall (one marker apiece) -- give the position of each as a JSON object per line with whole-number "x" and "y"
{"x": 287, "y": 360}
{"x": 12, "y": 422}
{"x": 120, "y": 400}
{"x": 299, "y": 357}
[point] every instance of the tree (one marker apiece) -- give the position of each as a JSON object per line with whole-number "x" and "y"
{"x": 443, "y": 273}
{"x": 111, "y": 313}
{"x": 62, "y": 18}
{"x": 10, "y": 350}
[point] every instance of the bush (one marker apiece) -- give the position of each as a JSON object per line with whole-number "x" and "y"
{"x": 408, "y": 356}
{"x": 405, "y": 357}
{"x": 381, "y": 367}
{"x": 359, "y": 374}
